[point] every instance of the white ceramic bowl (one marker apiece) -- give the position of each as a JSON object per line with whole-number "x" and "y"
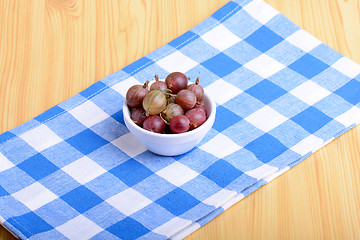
{"x": 172, "y": 144}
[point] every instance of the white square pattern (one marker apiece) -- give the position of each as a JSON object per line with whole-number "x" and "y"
{"x": 123, "y": 86}
{"x": 310, "y": 92}
{"x": 303, "y": 40}
{"x": 129, "y": 145}
{"x": 220, "y": 38}
{"x": 262, "y": 172}
{"x": 5, "y": 164}
{"x": 88, "y": 114}
{"x": 347, "y": 67}
{"x": 307, "y": 145}
{"x": 41, "y": 138}
{"x": 222, "y": 91}
{"x": 177, "y": 62}
{"x": 266, "y": 119}
{"x": 129, "y": 201}
{"x": 220, "y": 146}
{"x": 264, "y": 66}
{"x": 350, "y": 117}
{"x": 34, "y": 196}
{"x": 177, "y": 173}
{"x": 220, "y": 198}
{"x": 173, "y": 226}
{"x": 83, "y": 170}
{"x": 261, "y": 11}
{"x": 80, "y": 228}
{"x": 276, "y": 174}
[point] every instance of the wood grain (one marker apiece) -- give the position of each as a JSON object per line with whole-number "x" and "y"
{"x": 52, "y": 49}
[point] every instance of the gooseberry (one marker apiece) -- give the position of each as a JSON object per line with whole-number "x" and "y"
{"x": 154, "y": 102}
{"x": 171, "y": 111}
{"x": 179, "y": 124}
{"x": 154, "y": 124}
{"x": 138, "y": 116}
{"x": 201, "y": 107}
{"x": 136, "y": 94}
{"x": 158, "y": 85}
{"x": 176, "y": 81}
{"x": 186, "y": 99}
{"x": 196, "y": 117}
{"x": 197, "y": 89}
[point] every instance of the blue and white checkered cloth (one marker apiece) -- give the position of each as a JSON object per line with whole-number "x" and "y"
{"x": 76, "y": 172}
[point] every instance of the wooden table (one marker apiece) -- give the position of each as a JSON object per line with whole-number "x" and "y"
{"x": 52, "y": 49}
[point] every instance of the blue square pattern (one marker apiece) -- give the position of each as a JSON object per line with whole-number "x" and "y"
{"x": 131, "y": 172}
{"x": 3, "y": 192}
{"x": 14, "y": 179}
{"x": 350, "y": 92}
{"x": 178, "y": 201}
{"x": 183, "y": 40}
{"x": 285, "y": 103}
{"x": 221, "y": 65}
{"x": 62, "y": 212}
{"x": 109, "y": 129}
{"x": 87, "y": 141}
{"x": 149, "y": 216}
{"x": 137, "y": 66}
{"x": 297, "y": 133}
{"x": 59, "y": 183}
{"x": 245, "y": 25}
{"x": 29, "y": 224}
{"x": 201, "y": 187}
{"x": 128, "y": 228}
{"x": 17, "y": 150}
{"x": 330, "y": 79}
{"x": 157, "y": 192}
{"x": 51, "y": 113}
{"x": 93, "y": 89}
{"x": 264, "y": 39}
{"x": 226, "y": 11}
{"x": 68, "y": 154}
{"x": 282, "y": 26}
{"x": 105, "y": 156}
{"x": 224, "y": 118}
{"x": 243, "y": 73}
{"x": 333, "y": 105}
{"x": 242, "y": 52}
{"x": 81, "y": 199}
{"x": 308, "y": 66}
{"x": 204, "y": 52}
{"x": 6, "y": 136}
{"x": 311, "y": 119}
{"x": 266, "y": 148}
{"x": 242, "y": 133}
{"x": 109, "y": 96}
{"x": 119, "y": 117}
{"x": 38, "y": 167}
{"x": 103, "y": 211}
{"x": 222, "y": 173}
{"x": 266, "y": 91}
{"x": 100, "y": 185}
{"x": 285, "y": 53}
{"x": 65, "y": 125}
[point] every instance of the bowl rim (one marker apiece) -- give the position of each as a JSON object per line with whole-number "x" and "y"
{"x": 208, "y": 121}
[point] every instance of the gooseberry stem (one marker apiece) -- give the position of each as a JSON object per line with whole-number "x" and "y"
{"x": 197, "y": 81}
{"x": 163, "y": 119}
{"x": 146, "y": 84}
{"x": 156, "y": 77}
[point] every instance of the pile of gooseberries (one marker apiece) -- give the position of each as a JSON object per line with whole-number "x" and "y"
{"x": 170, "y": 106}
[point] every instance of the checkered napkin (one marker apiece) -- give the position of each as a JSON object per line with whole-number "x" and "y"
{"x": 76, "y": 172}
